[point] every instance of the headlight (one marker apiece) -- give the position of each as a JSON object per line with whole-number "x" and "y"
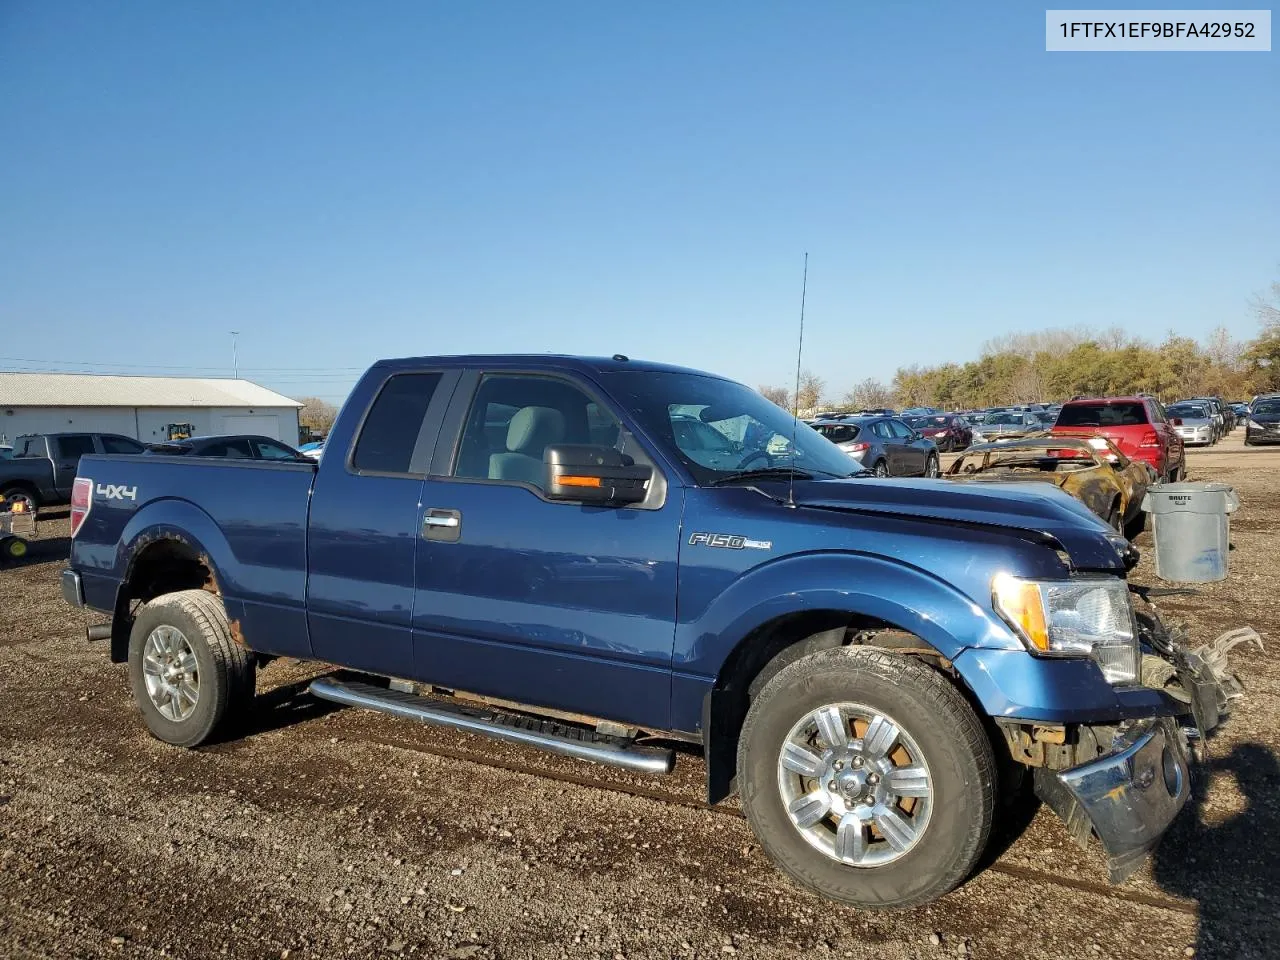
{"x": 1254, "y": 425}
{"x": 1080, "y": 617}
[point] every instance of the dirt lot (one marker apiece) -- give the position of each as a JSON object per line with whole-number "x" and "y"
{"x": 330, "y": 833}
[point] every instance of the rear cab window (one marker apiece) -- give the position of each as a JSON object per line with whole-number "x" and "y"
{"x": 390, "y": 430}
{"x": 75, "y": 445}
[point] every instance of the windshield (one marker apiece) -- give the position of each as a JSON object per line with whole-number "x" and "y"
{"x": 1191, "y": 411}
{"x": 1266, "y": 408}
{"x": 719, "y": 428}
{"x": 921, "y": 423}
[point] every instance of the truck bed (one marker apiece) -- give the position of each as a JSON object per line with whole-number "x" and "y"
{"x": 248, "y": 517}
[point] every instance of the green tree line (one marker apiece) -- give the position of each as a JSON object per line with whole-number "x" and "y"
{"x": 1056, "y": 365}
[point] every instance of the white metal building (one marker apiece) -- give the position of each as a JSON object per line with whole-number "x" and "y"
{"x": 141, "y": 407}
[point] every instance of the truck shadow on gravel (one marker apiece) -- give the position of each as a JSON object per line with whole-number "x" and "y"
{"x": 1230, "y": 868}
{"x": 278, "y": 708}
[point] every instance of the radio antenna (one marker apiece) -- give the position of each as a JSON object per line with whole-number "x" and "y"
{"x": 795, "y": 397}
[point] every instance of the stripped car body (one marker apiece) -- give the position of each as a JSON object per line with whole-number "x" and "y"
{"x": 1092, "y": 471}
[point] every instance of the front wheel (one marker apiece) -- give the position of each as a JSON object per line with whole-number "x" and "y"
{"x": 867, "y": 777}
{"x": 931, "y": 468}
{"x": 188, "y": 673}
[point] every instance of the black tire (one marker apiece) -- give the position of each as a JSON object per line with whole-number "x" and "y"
{"x": 226, "y": 670}
{"x": 931, "y": 712}
{"x": 1114, "y": 518}
{"x": 14, "y": 494}
{"x": 932, "y": 467}
{"x": 881, "y": 468}
{"x": 1133, "y": 529}
{"x": 13, "y": 549}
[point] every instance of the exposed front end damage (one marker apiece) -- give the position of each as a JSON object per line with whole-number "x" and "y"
{"x": 1126, "y": 782}
{"x": 1127, "y": 797}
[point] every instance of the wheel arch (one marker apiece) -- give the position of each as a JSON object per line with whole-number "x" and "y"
{"x": 774, "y": 645}
{"x": 172, "y": 547}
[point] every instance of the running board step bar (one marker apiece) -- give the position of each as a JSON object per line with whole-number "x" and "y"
{"x": 548, "y": 735}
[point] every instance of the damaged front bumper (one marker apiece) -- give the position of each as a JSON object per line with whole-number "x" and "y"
{"x": 1128, "y": 797}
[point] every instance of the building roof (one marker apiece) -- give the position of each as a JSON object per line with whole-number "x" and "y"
{"x": 96, "y": 390}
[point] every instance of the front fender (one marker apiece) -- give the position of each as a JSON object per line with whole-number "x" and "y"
{"x": 905, "y": 596}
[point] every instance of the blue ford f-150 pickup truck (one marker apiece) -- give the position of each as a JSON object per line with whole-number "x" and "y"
{"x": 870, "y": 664}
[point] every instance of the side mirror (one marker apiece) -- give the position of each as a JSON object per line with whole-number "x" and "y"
{"x": 588, "y": 473}
{"x": 1176, "y": 421}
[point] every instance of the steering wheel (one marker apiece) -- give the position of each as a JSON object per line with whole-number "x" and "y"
{"x": 746, "y": 462}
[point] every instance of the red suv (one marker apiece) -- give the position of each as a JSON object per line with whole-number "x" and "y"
{"x": 1137, "y": 425}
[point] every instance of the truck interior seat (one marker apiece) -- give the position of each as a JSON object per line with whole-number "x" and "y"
{"x": 528, "y": 434}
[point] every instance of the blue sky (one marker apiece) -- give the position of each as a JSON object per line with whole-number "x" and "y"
{"x": 342, "y": 181}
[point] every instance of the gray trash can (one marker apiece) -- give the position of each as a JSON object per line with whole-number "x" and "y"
{"x": 1192, "y": 527}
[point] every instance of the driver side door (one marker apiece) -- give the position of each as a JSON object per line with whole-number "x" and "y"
{"x": 550, "y": 603}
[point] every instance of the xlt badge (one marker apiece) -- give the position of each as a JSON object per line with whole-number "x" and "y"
{"x": 729, "y": 541}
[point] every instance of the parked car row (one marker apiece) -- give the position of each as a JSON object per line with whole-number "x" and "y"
{"x": 42, "y": 467}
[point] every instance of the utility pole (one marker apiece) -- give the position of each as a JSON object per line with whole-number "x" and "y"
{"x": 235, "y": 356}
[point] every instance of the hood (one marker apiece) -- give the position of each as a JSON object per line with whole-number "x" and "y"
{"x": 1038, "y": 509}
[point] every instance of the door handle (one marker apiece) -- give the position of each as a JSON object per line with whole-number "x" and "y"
{"x": 442, "y": 524}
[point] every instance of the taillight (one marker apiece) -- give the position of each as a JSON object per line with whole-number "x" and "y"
{"x": 857, "y": 447}
{"x": 1150, "y": 439}
{"x": 81, "y": 502}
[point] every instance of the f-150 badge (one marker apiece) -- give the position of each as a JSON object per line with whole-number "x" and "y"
{"x": 729, "y": 541}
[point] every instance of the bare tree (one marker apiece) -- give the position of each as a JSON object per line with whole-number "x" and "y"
{"x": 1266, "y": 307}
{"x": 317, "y": 414}
{"x": 809, "y": 396}
{"x": 779, "y": 395}
{"x": 869, "y": 394}
{"x": 1223, "y": 350}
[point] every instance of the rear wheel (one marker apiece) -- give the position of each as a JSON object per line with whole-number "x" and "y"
{"x": 881, "y": 469}
{"x": 867, "y": 777}
{"x": 189, "y": 675}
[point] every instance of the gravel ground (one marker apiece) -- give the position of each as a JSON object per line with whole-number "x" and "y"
{"x": 336, "y": 833}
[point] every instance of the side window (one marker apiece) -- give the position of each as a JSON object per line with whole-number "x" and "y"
{"x": 75, "y": 447}
{"x": 900, "y": 429}
{"x": 390, "y": 430}
{"x": 513, "y": 418}
{"x": 1156, "y": 412}
{"x": 120, "y": 445}
{"x": 272, "y": 451}
{"x": 882, "y": 429}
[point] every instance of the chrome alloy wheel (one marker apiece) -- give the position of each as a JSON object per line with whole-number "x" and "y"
{"x": 171, "y": 673}
{"x": 855, "y": 784}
